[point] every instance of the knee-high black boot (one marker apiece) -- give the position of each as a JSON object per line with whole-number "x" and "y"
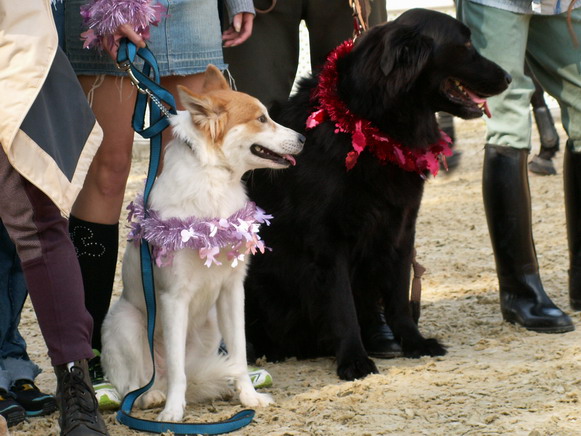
{"x": 572, "y": 182}
{"x": 506, "y": 195}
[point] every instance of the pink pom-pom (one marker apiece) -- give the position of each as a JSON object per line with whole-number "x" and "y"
{"x": 103, "y": 18}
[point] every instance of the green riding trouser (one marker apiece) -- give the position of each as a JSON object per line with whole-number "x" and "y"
{"x": 509, "y": 38}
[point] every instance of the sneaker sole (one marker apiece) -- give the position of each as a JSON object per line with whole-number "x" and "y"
{"x": 107, "y": 396}
{"x": 260, "y": 379}
{"x": 14, "y": 417}
{"x": 264, "y": 384}
{"x": 47, "y": 409}
{"x": 105, "y": 403}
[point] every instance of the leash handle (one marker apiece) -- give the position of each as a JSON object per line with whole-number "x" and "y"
{"x": 151, "y": 95}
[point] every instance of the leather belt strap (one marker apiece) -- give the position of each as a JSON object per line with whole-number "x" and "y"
{"x": 361, "y": 11}
{"x": 416, "y": 292}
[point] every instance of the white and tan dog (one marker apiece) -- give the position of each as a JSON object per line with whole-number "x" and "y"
{"x": 202, "y": 232}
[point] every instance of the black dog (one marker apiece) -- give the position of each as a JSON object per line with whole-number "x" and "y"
{"x": 342, "y": 236}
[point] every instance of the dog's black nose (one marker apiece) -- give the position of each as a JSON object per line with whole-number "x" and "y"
{"x": 508, "y": 78}
{"x": 302, "y": 139}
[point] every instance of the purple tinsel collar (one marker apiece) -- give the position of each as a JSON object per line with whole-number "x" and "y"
{"x": 239, "y": 233}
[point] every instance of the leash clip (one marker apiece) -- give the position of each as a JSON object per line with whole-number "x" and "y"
{"x": 126, "y": 66}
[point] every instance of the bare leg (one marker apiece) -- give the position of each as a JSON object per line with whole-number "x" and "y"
{"x": 101, "y": 198}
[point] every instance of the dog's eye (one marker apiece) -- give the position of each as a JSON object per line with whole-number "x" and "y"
{"x": 262, "y": 118}
{"x": 468, "y": 44}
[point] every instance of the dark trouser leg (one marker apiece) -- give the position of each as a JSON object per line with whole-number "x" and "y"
{"x": 13, "y": 294}
{"x": 97, "y": 246}
{"x": 328, "y": 27}
{"x": 572, "y": 182}
{"x": 378, "y": 13}
{"x": 50, "y": 267}
{"x": 508, "y": 211}
{"x": 266, "y": 64}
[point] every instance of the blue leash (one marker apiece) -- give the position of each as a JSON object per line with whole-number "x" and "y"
{"x": 152, "y": 95}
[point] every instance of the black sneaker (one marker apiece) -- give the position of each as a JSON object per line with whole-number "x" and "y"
{"x": 36, "y": 403}
{"x": 10, "y": 409}
{"x": 77, "y": 403}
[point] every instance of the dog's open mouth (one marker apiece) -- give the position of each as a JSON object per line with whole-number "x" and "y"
{"x": 458, "y": 93}
{"x": 265, "y": 153}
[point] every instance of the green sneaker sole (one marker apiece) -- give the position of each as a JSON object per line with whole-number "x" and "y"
{"x": 260, "y": 378}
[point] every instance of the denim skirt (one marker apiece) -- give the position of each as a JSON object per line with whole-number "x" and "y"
{"x": 184, "y": 42}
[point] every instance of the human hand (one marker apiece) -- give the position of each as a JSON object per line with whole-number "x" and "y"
{"x": 239, "y": 31}
{"x": 111, "y": 42}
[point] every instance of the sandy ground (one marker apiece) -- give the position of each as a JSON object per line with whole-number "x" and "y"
{"x": 497, "y": 379}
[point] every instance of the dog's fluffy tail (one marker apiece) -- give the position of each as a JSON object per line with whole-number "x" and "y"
{"x": 209, "y": 378}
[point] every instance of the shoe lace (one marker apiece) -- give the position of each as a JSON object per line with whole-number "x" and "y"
{"x": 79, "y": 402}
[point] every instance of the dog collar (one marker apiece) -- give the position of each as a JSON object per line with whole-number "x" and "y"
{"x": 238, "y": 233}
{"x": 363, "y": 133}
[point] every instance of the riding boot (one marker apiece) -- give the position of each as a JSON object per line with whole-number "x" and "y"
{"x": 547, "y": 132}
{"x": 572, "y": 179}
{"x": 79, "y": 414}
{"x": 507, "y": 204}
{"x": 377, "y": 337}
{"x": 543, "y": 162}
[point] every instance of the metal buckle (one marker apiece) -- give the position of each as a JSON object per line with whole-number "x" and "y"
{"x": 126, "y": 66}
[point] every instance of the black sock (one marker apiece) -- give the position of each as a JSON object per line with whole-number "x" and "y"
{"x": 97, "y": 246}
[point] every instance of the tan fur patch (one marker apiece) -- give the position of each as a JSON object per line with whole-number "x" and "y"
{"x": 236, "y": 108}
{"x": 218, "y": 109}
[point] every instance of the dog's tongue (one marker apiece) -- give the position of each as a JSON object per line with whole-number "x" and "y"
{"x": 290, "y": 159}
{"x": 479, "y": 100}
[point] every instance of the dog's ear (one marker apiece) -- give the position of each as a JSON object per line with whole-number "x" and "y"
{"x": 206, "y": 112}
{"x": 194, "y": 103}
{"x": 405, "y": 54}
{"x": 214, "y": 80}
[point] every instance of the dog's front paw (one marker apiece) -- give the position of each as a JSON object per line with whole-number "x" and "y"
{"x": 151, "y": 399}
{"x": 426, "y": 347}
{"x": 356, "y": 368}
{"x": 171, "y": 414}
{"x": 254, "y": 399}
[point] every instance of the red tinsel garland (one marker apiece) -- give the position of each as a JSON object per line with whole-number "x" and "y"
{"x": 363, "y": 133}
